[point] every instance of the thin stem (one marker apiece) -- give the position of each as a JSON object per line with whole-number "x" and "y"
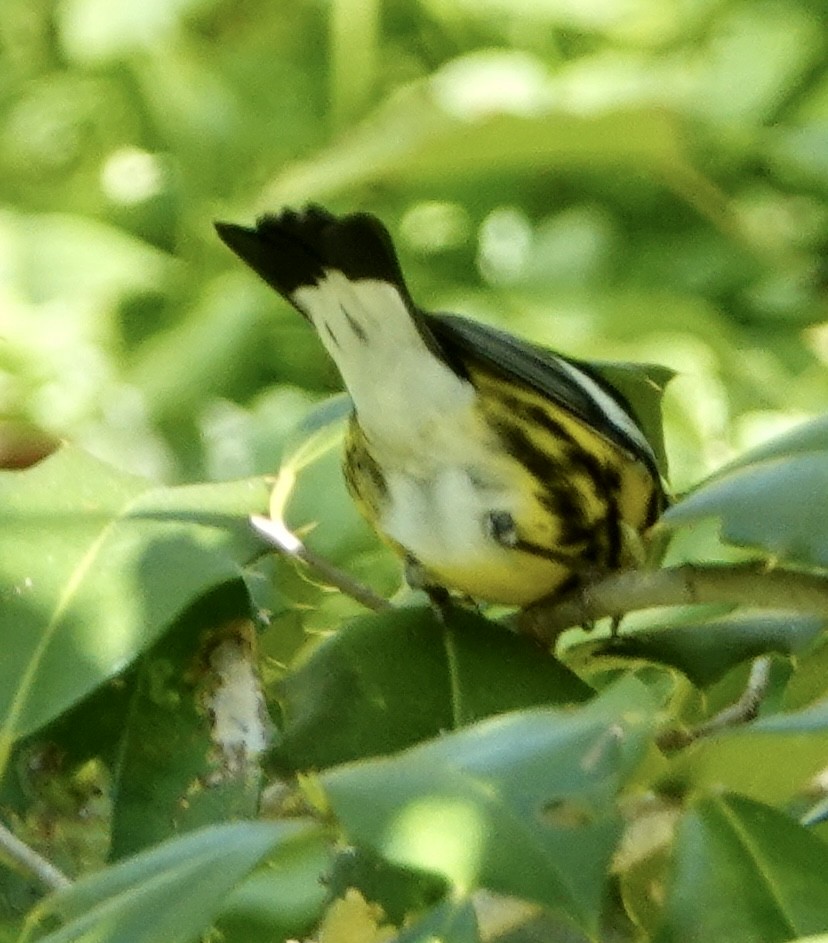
{"x": 749, "y": 584}
{"x": 35, "y": 864}
{"x": 276, "y": 533}
{"x": 743, "y": 710}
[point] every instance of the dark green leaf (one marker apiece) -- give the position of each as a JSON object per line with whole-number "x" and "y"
{"x": 762, "y": 877}
{"x": 521, "y": 804}
{"x": 398, "y": 891}
{"x": 706, "y": 651}
{"x": 386, "y": 682}
{"x": 175, "y": 771}
{"x": 643, "y": 387}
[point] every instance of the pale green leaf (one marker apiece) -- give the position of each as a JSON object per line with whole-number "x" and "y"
{"x": 794, "y": 746}
{"x": 95, "y": 565}
{"x": 772, "y": 498}
{"x": 412, "y": 139}
{"x": 173, "y": 892}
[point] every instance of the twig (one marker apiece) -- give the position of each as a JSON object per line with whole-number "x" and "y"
{"x": 31, "y": 861}
{"x": 276, "y": 533}
{"x": 756, "y": 585}
{"x": 741, "y": 712}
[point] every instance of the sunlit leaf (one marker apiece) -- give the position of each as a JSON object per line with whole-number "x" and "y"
{"x": 521, "y": 804}
{"x": 97, "y": 564}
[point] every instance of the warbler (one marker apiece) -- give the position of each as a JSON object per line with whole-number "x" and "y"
{"x": 497, "y": 469}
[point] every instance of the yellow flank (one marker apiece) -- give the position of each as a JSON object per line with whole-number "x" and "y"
{"x": 578, "y": 501}
{"x": 519, "y": 579}
{"x": 606, "y": 477}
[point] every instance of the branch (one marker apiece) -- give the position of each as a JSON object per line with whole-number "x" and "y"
{"x": 276, "y": 533}
{"x": 759, "y": 586}
{"x": 35, "y": 864}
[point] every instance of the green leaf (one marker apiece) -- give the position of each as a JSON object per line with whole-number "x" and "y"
{"x": 794, "y": 746}
{"x": 771, "y": 498}
{"x": 744, "y": 873}
{"x": 398, "y": 891}
{"x": 642, "y": 385}
{"x": 97, "y": 564}
{"x": 176, "y": 771}
{"x": 808, "y": 684}
{"x": 706, "y": 651}
{"x": 452, "y": 920}
{"x": 283, "y": 898}
{"x": 803, "y": 439}
{"x": 173, "y": 892}
{"x": 79, "y": 256}
{"x": 310, "y": 491}
{"x": 392, "y": 680}
{"x": 521, "y": 804}
{"x": 412, "y": 139}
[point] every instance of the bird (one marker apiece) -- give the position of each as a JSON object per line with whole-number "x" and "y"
{"x": 498, "y": 470}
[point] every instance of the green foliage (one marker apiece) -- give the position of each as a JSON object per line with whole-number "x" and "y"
{"x": 482, "y": 806}
{"x": 770, "y": 499}
{"x": 180, "y": 883}
{"x": 87, "y": 558}
{"x": 215, "y": 746}
{"x": 706, "y": 650}
{"x": 761, "y": 875}
{"x": 434, "y": 678}
{"x": 167, "y": 750}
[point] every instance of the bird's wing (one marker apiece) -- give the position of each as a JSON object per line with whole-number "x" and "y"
{"x": 572, "y": 385}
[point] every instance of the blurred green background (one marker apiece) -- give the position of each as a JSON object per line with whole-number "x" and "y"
{"x": 627, "y": 179}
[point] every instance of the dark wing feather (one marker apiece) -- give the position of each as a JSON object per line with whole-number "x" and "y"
{"x": 543, "y": 371}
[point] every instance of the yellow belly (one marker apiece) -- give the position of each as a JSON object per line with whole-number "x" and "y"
{"x": 515, "y": 579}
